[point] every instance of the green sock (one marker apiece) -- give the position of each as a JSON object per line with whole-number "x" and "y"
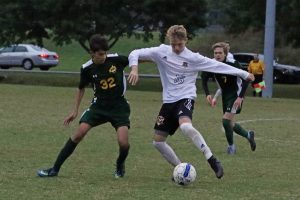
{"x": 66, "y": 151}
{"x": 228, "y": 131}
{"x": 239, "y": 130}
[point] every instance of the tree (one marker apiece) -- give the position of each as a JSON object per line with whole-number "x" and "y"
{"x": 24, "y": 20}
{"x": 242, "y": 15}
{"x": 67, "y": 20}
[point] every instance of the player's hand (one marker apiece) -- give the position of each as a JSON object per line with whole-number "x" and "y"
{"x": 209, "y": 99}
{"x": 133, "y": 76}
{"x": 250, "y": 77}
{"x": 70, "y": 118}
{"x": 213, "y": 102}
{"x": 238, "y": 103}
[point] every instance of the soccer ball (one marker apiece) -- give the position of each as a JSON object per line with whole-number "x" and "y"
{"x": 184, "y": 174}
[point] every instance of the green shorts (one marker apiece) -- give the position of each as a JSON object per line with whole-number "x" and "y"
{"x": 116, "y": 112}
{"x": 228, "y": 100}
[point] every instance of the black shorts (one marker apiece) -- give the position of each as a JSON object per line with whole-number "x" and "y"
{"x": 168, "y": 118}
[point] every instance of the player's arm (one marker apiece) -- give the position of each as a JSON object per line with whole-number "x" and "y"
{"x": 84, "y": 81}
{"x": 204, "y": 81}
{"x": 137, "y": 56}
{"x": 210, "y": 65}
{"x": 78, "y": 97}
{"x": 214, "y": 100}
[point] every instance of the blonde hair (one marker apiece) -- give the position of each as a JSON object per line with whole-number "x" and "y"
{"x": 177, "y": 31}
{"x": 222, "y": 45}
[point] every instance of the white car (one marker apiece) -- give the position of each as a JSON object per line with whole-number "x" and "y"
{"x": 27, "y": 56}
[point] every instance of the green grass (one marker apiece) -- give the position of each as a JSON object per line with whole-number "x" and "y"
{"x": 32, "y": 134}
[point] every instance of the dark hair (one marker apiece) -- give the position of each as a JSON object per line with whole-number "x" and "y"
{"x": 98, "y": 43}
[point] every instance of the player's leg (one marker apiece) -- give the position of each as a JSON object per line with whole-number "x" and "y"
{"x": 228, "y": 127}
{"x": 237, "y": 128}
{"x": 122, "y": 134}
{"x": 184, "y": 113}
{"x": 159, "y": 142}
{"x": 118, "y": 115}
{"x": 166, "y": 124}
{"x": 66, "y": 151}
{"x": 189, "y": 131}
{"x": 249, "y": 135}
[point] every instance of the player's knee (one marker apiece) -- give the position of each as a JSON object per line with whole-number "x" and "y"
{"x": 158, "y": 144}
{"x": 188, "y": 130}
{"x": 226, "y": 124}
{"x": 77, "y": 138}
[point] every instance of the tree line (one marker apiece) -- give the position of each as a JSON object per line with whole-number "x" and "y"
{"x": 65, "y": 21}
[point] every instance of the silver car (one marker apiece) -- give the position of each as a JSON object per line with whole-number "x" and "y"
{"x": 27, "y": 56}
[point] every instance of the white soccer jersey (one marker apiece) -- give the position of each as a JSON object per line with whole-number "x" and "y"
{"x": 178, "y": 72}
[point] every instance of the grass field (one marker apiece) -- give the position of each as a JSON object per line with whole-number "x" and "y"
{"x": 32, "y": 134}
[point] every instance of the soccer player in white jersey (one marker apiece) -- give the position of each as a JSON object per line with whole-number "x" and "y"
{"x": 178, "y": 68}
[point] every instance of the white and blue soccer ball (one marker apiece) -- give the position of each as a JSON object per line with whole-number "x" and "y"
{"x": 184, "y": 174}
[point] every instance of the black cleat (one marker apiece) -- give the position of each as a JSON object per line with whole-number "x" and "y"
{"x": 120, "y": 171}
{"x": 215, "y": 164}
{"x": 47, "y": 173}
{"x": 252, "y": 141}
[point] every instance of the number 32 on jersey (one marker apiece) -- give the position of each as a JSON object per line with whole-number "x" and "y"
{"x": 107, "y": 83}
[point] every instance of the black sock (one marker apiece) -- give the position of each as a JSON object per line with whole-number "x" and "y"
{"x": 66, "y": 151}
{"x": 123, "y": 153}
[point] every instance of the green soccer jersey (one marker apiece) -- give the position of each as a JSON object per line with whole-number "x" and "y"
{"x": 231, "y": 84}
{"x": 107, "y": 79}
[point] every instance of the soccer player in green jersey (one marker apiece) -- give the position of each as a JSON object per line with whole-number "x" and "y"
{"x": 233, "y": 89}
{"x": 105, "y": 73}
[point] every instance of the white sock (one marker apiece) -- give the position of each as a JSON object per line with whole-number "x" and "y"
{"x": 189, "y": 131}
{"x": 167, "y": 152}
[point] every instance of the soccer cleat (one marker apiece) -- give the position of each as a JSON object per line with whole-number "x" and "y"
{"x": 47, "y": 172}
{"x": 120, "y": 171}
{"x": 231, "y": 150}
{"x": 251, "y": 140}
{"x": 215, "y": 164}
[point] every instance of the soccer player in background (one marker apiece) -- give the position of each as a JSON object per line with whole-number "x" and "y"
{"x": 178, "y": 68}
{"x": 105, "y": 73}
{"x": 233, "y": 90}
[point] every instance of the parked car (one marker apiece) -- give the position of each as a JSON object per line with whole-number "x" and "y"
{"x": 282, "y": 73}
{"x": 27, "y": 56}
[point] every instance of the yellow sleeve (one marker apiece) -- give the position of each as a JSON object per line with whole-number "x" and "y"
{"x": 262, "y": 66}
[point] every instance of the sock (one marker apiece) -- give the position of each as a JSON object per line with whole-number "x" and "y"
{"x": 123, "y": 153}
{"x": 239, "y": 130}
{"x": 167, "y": 152}
{"x": 66, "y": 151}
{"x": 189, "y": 131}
{"x": 228, "y": 131}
